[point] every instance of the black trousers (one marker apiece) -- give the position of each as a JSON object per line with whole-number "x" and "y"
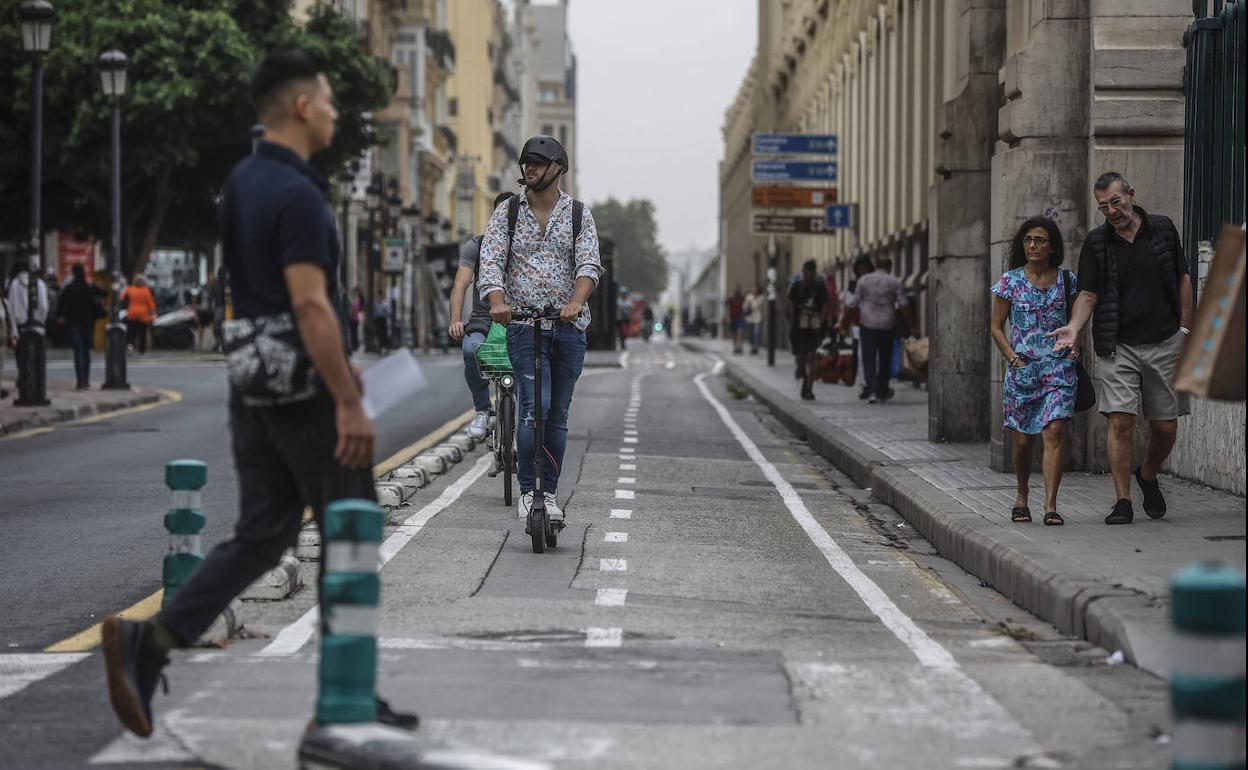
{"x": 284, "y": 457}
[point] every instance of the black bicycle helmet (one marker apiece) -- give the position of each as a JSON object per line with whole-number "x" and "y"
{"x": 546, "y": 147}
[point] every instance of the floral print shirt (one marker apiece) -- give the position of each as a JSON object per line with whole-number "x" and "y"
{"x": 544, "y": 265}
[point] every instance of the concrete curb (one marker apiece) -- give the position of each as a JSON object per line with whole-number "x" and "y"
{"x": 42, "y": 417}
{"x": 277, "y": 583}
{"x": 308, "y": 543}
{"x": 226, "y": 626}
{"x": 1084, "y": 607}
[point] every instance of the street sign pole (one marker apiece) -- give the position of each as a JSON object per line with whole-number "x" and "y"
{"x": 772, "y": 276}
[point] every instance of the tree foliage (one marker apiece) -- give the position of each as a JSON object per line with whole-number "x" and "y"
{"x": 186, "y": 116}
{"x": 640, "y": 262}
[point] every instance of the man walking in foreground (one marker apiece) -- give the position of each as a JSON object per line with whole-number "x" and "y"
{"x": 300, "y": 435}
{"x": 1135, "y": 287}
{"x": 541, "y": 248}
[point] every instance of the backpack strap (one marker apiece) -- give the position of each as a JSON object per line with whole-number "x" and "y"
{"x": 513, "y": 215}
{"x": 578, "y": 213}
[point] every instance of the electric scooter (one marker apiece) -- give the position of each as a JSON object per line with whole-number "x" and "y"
{"x": 539, "y": 527}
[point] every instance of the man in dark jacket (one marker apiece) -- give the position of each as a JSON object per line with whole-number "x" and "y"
{"x": 1133, "y": 272}
{"x": 81, "y": 306}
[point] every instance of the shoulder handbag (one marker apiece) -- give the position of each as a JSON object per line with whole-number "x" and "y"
{"x": 266, "y": 361}
{"x": 1085, "y": 391}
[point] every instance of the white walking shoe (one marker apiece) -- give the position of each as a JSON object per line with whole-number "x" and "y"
{"x": 479, "y": 427}
{"x": 525, "y": 505}
{"x": 553, "y": 511}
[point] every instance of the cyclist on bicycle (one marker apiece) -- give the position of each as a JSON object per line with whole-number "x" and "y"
{"x": 473, "y": 332}
{"x": 544, "y": 266}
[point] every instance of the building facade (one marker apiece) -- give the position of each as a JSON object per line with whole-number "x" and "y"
{"x": 551, "y": 76}
{"x": 958, "y": 119}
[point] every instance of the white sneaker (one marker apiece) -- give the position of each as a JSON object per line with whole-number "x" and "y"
{"x": 525, "y": 505}
{"x": 553, "y": 511}
{"x": 479, "y": 427}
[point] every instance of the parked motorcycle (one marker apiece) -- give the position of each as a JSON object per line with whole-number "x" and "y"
{"x": 175, "y": 330}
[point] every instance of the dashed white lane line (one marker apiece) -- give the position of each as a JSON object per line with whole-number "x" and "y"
{"x": 626, "y": 480}
{"x": 628, "y": 432}
{"x": 624, "y": 494}
{"x": 292, "y": 638}
{"x": 630, "y": 439}
{"x": 628, "y": 466}
{"x": 615, "y": 537}
{"x": 611, "y": 597}
{"x": 604, "y": 637}
{"x": 628, "y": 450}
{"x": 621, "y": 513}
{"x": 19, "y": 670}
{"x": 613, "y": 565}
{"x": 929, "y": 652}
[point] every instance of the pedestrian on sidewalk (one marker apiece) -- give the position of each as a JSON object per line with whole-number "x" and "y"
{"x": 1137, "y": 291}
{"x": 878, "y": 296}
{"x": 533, "y": 255}
{"x": 82, "y": 304}
{"x": 473, "y": 333}
{"x": 355, "y": 313}
{"x": 19, "y": 282}
{"x": 381, "y": 322}
{"x": 808, "y": 300}
{"x": 755, "y": 306}
{"x": 1039, "y": 393}
{"x": 851, "y": 321}
{"x": 305, "y": 442}
{"x": 140, "y": 305}
{"x": 736, "y": 319}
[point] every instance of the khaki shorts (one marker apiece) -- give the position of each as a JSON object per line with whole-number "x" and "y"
{"x": 1139, "y": 380}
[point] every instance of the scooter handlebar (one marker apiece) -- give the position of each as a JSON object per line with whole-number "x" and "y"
{"x": 526, "y": 313}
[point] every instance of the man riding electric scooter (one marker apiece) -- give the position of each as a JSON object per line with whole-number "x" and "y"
{"x": 539, "y": 249}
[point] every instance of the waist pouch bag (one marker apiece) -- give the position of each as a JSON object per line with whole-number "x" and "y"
{"x": 266, "y": 362}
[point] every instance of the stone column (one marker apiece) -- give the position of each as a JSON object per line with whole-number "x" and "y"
{"x": 959, "y": 209}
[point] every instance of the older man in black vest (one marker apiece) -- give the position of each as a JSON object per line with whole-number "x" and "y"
{"x": 1133, "y": 273}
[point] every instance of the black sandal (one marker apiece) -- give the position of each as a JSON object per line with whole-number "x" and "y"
{"x": 1053, "y": 519}
{"x": 1020, "y": 514}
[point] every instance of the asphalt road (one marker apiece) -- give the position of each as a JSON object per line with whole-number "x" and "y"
{"x": 81, "y": 506}
{"x": 721, "y": 598}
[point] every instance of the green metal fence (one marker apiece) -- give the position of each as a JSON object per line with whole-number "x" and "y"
{"x": 1213, "y": 144}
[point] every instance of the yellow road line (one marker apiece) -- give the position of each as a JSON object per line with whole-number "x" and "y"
{"x": 166, "y": 397}
{"x": 146, "y": 608}
{"x": 90, "y": 638}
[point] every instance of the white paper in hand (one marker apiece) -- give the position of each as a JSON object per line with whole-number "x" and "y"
{"x": 391, "y": 380}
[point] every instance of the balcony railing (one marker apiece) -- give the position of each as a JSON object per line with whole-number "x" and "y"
{"x": 443, "y": 48}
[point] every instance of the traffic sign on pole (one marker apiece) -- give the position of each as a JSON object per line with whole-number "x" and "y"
{"x": 788, "y": 224}
{"x": 393, "y": 259}
{"x": 839, "y": 216}
{"x": 793, "y": 171}
{"x": 795, "y": 144}
{"x": 793, "y": 197}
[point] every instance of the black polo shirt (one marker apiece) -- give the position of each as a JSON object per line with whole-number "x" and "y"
{"x": 274, "y": 214}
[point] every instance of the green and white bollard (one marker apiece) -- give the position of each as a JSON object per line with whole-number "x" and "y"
{"x": 1207, "y": 686}
{"x": 349, "y": 597}
{"x": 184, "y": 521}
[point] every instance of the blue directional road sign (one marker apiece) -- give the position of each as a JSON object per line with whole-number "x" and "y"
{"x": 839, "y": 216}
{"x": 794, "y": 171}
{"x": 795, "y": 144}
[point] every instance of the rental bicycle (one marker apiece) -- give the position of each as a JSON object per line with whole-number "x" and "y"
{"x": 495, "y": 366}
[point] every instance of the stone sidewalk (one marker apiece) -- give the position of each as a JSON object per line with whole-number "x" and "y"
{"x": 68, "y": 404}
{"x": 1109, "y": 585}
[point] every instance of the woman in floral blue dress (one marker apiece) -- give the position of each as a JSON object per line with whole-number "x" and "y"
{"x": 1039, "y": 393}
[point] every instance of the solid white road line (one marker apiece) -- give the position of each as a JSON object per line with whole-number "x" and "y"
{"x": 604, "y": 637}
{"x": 621, "y": 513}
{"x": 292, "y": 638}
{"x": 613, "y": 565}
{"x": 615, "y": 537}
{"x": 611, "y": 597}
{"x": 929, "y": 652}
{"x": 19, "y": 670}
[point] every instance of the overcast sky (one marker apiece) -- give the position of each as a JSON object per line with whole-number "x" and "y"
{"x": 654, "y": 79}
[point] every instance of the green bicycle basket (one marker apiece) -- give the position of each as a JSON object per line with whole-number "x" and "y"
{"x": 492, "y": 357}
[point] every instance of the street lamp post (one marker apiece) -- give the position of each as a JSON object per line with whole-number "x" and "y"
{"x": 373, "y": 200}
{"x": 772, "y": 276}
{"x": 394, "y": 210}
{"x": 36, "y": 19}
{"x": 113, "y": 79}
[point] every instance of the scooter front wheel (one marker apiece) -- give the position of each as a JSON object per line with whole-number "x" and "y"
{"x": 538, "y": 522}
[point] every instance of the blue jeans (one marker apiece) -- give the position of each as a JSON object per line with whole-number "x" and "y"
{"x": 877, "y": 358}
{"x": 80, "y": 340}
{"x": 477, "y": 386}
{"x": 562, "y": 356}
